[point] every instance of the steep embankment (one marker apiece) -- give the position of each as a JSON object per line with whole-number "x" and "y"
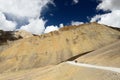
{"x": 56, "y": 47}
{"x": 106, "y": 56}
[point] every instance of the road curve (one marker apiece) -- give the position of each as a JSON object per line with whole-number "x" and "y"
{"x": 114, "y": 69}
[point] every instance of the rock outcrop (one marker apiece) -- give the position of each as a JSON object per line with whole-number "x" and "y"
{"x": 13, "y": 35}
{"x": 7, "y": 38}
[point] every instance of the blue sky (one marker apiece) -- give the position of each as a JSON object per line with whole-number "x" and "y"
{"x": 66, "y": 11}
{"x": 43, "y": 16}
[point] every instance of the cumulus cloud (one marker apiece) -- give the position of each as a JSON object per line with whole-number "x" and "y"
{"x": 76, "y": 23}
{"x": 35, "y": 26}
{"x": 96, "y": 18}
{"x": 75, "y": 1}
{"x": 112, "y": 18}
{"x": 51, "y": 28}
{"x": 109, "y": 5}
{"x": 5, "y": 24}
{"x": 61, "y": 25}
{"x": 29, "y": 10}
{"x": 23, "y": 8}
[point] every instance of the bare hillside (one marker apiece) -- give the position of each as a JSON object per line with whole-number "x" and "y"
{"x": 56, "y": 47}
{"x": 62, "y": 71}
{"x": 107, "y": 56}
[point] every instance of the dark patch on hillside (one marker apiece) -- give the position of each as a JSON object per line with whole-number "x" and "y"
{"x": 79, "y": 55}
{"x": 7, "y": 36}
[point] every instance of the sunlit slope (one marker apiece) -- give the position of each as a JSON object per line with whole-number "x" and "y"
{"x": 107, "y": 56}
{"x": 62, "y": 71}
{"x": 8, "y": 38}
{"x": 55, "y": 47}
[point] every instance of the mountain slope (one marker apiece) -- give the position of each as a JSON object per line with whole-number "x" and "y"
{"x": 62, "y": 71}
{"x": 8, "y": 38}
{"x": 107, "y": 56}
{"x": 56, "y": 47}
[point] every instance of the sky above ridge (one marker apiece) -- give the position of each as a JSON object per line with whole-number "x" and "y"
{"x": 43, "y": 16}
{"x": 67, "y": 11}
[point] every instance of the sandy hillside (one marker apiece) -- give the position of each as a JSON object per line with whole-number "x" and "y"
{"x": 107, "y": 56}
{"x": 62, "y": 71}
{"x": 24, "y": 56}
{"x": 56, "y": 47}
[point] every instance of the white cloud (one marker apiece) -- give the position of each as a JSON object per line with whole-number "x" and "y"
{"x": 61, "y": 25}
{"x": 112, "y": 18}
{"x": 109, "y": 5}
{"x": 5, "y": 24}
{"x": 35, "y": 26}
{"x": 96, "y": 18}
{"x": 24, "y": 9}
{"x": 75, "y": 1}
{"x": 50, "y": 28}
{"x": 76, "y": 23}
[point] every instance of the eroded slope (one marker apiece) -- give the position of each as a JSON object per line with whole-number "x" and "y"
{"x": 106, "y": 56}
{"x": 56, "y": 47}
